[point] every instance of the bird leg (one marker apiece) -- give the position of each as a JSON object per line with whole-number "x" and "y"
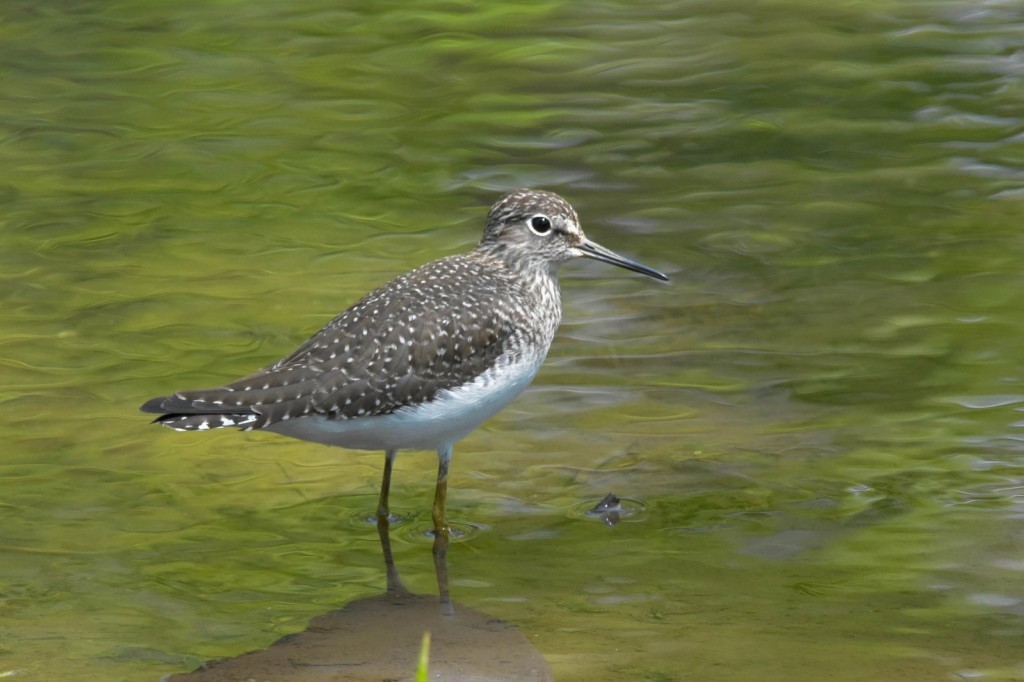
{"x": 385, "y": 486}
{"x": 444, "y": 456}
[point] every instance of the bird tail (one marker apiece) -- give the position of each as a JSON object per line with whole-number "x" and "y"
{"x": 204, "y": 422}
{"x": 183, "y": 414}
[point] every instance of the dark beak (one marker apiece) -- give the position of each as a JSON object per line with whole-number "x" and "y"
{"x": 597, "y": 252}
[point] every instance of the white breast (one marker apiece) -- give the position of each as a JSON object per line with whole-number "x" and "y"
{"x": 449, "y": 417}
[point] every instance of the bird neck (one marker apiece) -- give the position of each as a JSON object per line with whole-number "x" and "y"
{"x": 521, "y": 263}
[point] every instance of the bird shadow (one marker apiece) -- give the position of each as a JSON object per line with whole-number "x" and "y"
{"x": 380, "y": 638}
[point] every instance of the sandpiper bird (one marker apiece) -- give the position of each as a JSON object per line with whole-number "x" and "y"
{"x": 423, "y": 360}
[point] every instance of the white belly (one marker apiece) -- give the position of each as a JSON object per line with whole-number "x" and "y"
{"x": 451, "y": 416}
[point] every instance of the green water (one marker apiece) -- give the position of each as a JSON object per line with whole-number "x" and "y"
{"x": 820, "y": 415}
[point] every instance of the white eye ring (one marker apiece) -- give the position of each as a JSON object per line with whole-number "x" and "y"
{"x": 540, "y": 224}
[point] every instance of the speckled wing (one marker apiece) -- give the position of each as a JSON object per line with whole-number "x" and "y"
{"x": 424, "y": 332}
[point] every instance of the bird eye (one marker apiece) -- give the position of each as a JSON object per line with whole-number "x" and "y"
{"x": 540, "y": 224}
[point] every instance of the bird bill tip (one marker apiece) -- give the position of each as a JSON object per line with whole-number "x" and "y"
{"x": 597, "y": 252}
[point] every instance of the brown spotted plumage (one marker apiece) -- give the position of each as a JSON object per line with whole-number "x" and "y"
{"x": 388, "y": 351}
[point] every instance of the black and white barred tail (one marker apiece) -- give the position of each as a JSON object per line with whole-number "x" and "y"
{"x": 181, "y": 414}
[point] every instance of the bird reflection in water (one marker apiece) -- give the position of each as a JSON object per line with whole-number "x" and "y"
{"x": 379, "y": 638}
